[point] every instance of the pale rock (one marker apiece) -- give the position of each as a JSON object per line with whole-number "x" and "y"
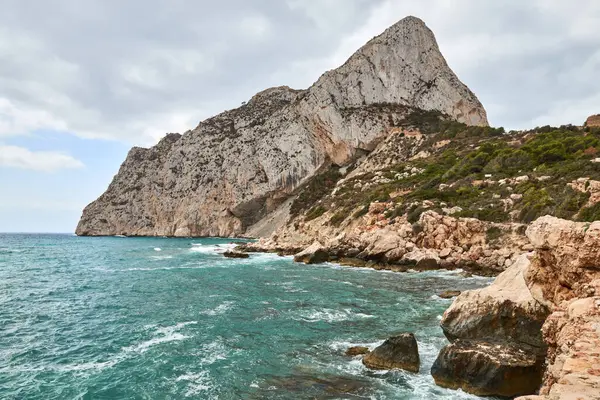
{"x": 482, "y": 314}
{"x": 250, "y": 160}
{"x": 522, "y": 179}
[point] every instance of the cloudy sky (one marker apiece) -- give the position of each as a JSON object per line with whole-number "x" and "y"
{"x": 82, "y": 81}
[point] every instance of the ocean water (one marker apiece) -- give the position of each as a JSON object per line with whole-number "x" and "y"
{"x": 152, "y": 318}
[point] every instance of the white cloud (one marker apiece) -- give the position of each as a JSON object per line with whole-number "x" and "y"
{"x": 46, "y": 161}
{"x": 256, "y": 26}
{"x": 129, "y": 79}
{"x": 22, "y": 119}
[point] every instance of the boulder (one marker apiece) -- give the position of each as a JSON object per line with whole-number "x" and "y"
{"x": 313, "y": 254}
{"x": 422, "y": 259}
{"x": 503, "y": 311}
{"x": 397, "y": 352}
{"x": 357, "y": 351}
{"x": 488, "y": 369}
{"x": 235, "y": 254}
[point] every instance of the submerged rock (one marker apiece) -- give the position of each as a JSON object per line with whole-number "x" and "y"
{"x": 357, "y": 351}
{"x": 398, "y": 352}
{"x": 448, "y": 294}
{"x": 488, "y": 369}
{"x": 235, "y": 254}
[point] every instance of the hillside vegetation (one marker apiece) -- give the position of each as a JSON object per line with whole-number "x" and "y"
{"x": 479, "y": 172}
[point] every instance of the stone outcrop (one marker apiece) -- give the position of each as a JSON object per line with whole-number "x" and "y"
{"x": 557, "y": 285}
{"x": 235, "y": 254}
{"x": 504, "y": 311}
{"x": 497, "y": 347}
{"x": 232, "y": 170}
{"x": 574, "y": 354}
{"x": 435, "y": 241}
{"x": 448, "y": 294}
{"x": 313, "y": 254}
{"x": 488, "y": 369}
{"x": 593, "y": 121}
{"x": 398, "y": 352}
{"x": 567, "y": 277}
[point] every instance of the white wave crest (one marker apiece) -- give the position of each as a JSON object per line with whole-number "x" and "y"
{"x": 329, "y": 315}
{"x": 198, "y": 382}
{"x": 220, "y": 309}
{"x": 164, "y": 335}
{"x": 212, "y": 248}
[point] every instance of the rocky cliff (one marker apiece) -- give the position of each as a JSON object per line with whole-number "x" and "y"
{"x": 234, "y": 169}
{"x": 545, "y": 307}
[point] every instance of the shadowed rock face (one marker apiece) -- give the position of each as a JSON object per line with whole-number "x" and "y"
{"x": 234, "y": 168}
{"x": 488, "y": 369}
{"x": 398, "y": 352}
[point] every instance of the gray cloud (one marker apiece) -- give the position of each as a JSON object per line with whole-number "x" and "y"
{"x": 133, "y": 70}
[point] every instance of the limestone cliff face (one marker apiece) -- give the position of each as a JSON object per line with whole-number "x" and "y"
{"x": 235, "y": 168}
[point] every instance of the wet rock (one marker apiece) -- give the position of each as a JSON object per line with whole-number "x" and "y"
{"x": 489, "y": 369}
{"x": 357, "y": 351}
{"x": 307, "y": 383}
{"x": 398, "y": 352}
{"x": 235, "y": 254}
{"x": 448, "y": 294}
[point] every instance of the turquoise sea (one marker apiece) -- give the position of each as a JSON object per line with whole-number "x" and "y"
{"x": 153, "y": 318}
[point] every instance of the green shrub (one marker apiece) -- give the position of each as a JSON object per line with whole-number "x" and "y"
{"x": 590, "y": 214}
{"x": 360, "y": 212}
{"x": 315, "y": 212}
{"x": 493, "y": 233}
{"x": 338, "y": 218}
{"x": 315, "y": 189}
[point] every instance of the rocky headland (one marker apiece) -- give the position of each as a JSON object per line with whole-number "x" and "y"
{"x": 233, "y": 169}
{"x": 388, "y": 162}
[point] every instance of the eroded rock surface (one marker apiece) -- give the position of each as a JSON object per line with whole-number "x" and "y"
{"x": 504, "y": 311}
{"x": 561, "y": 277}
{"x": 233, "y": 169}
{"x": 398, "y": 352}
{"x": 488, "y": 369}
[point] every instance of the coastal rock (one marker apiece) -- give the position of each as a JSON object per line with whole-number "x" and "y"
{"x": 235, "y": 169}
{"x": 235, "y": 254}
{"x": 503, "y": 311}
{"x": 398, "y": 352}
{"x": 422, "y": 259}
{"x": 313, "y": 254}
{"x": 448, "y": 294}
{"x": 567, "y": 261}
{"x": 357, "y": 351}
{"x": 573, "y": 334}
{"x": 488, "y": 369}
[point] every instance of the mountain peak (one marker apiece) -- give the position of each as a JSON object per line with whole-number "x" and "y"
{"x": 403, "y": 65}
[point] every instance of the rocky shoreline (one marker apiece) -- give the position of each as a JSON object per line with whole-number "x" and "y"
{"x": 534, "y": 332}
{"x": 435, "y": 241}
